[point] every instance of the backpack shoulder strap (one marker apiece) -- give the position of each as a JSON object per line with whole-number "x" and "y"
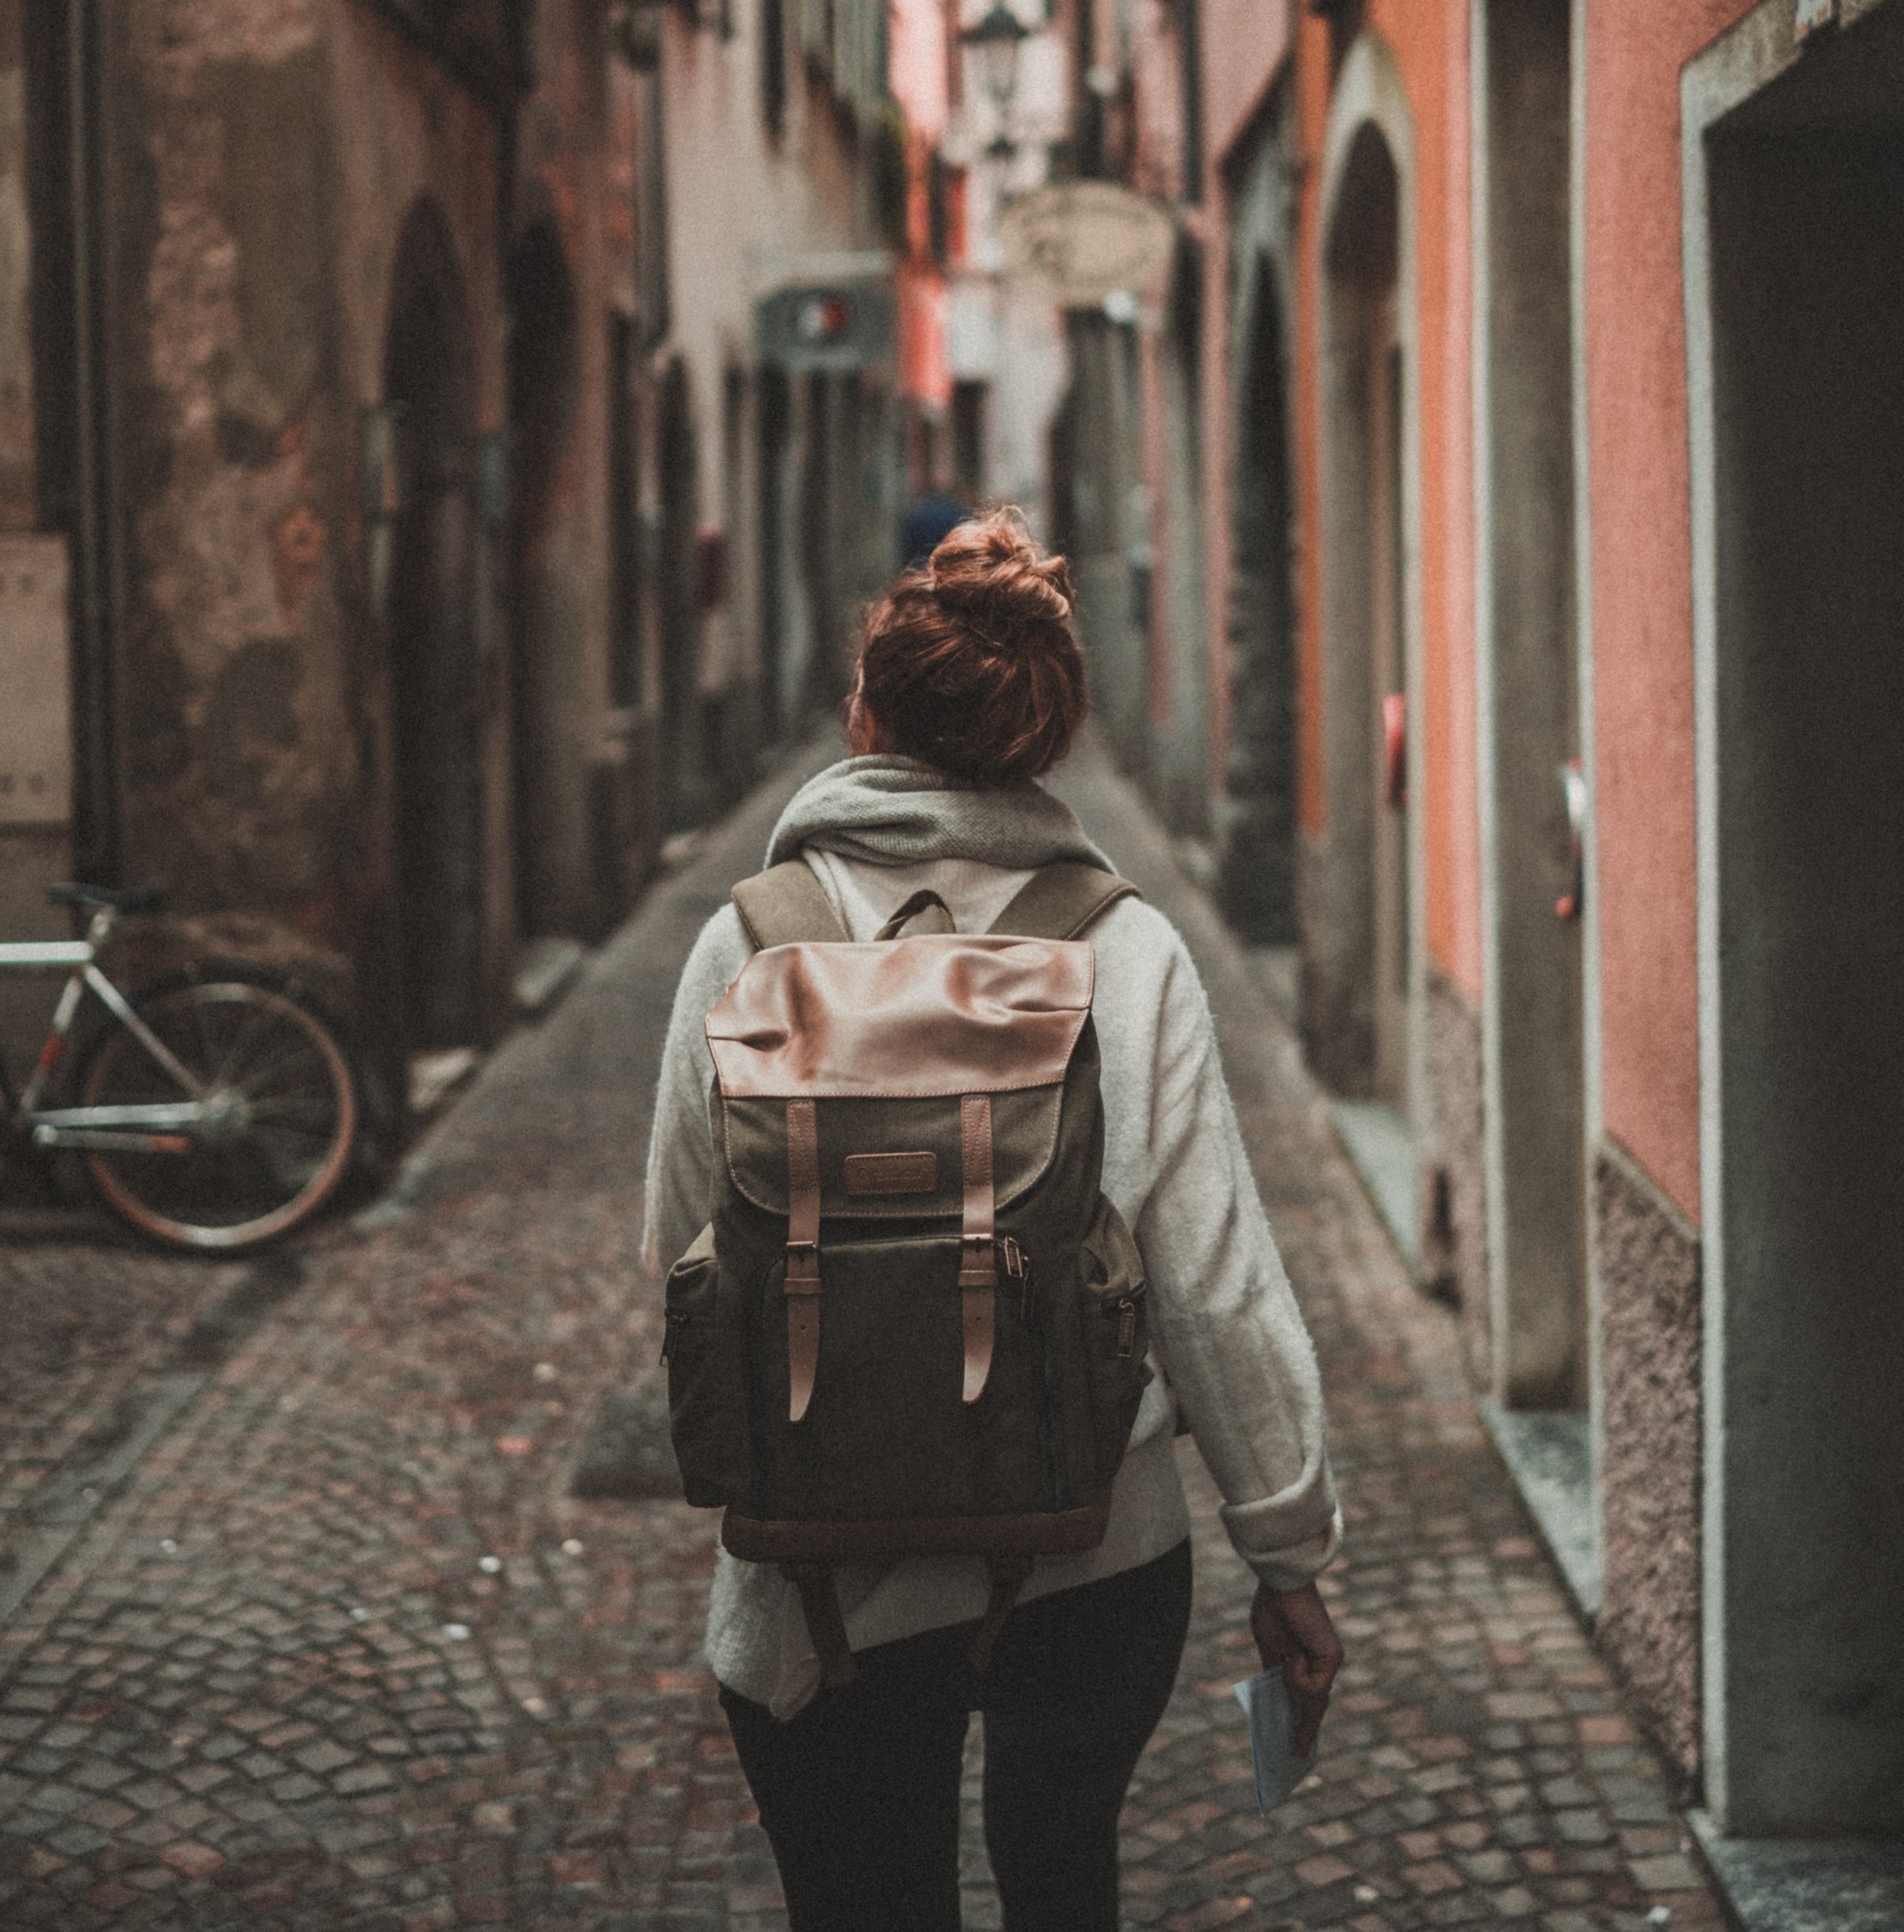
{"x": 1059, "y": 900}
{"x": 785, "y": 905}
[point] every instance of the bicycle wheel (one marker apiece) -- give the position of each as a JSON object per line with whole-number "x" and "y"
{"x": 279, "y": 1105}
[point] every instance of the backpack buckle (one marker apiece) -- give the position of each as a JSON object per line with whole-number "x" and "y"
{"x": 1018, "y": 1268}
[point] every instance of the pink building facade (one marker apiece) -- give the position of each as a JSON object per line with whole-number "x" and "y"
{"x": 1507, "y": 603}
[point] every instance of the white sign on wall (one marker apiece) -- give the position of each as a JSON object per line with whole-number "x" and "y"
{"x": 1077, "y": 243}
{"x": 35, "y": 683}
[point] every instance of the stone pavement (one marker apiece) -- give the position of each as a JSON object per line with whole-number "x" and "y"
{"x": 331, "y": 1644}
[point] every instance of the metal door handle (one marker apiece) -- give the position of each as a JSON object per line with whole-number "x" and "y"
{"x": 1573, "y": 785}
{"x": 1394, "y": 750}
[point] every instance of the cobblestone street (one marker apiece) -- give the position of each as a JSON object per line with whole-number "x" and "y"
{"x": 316, "y": 1635}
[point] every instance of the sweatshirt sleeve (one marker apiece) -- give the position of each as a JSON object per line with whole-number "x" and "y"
{"x": 681, "y": 1148}
{"x": 1224, "y": 1320}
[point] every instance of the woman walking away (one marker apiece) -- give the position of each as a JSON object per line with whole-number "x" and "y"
{"x": 969, "y": 687}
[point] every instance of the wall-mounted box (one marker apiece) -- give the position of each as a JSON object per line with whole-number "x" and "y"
{"x": 36, "y": 684}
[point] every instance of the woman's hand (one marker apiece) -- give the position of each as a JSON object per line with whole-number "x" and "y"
{"x": 1293, "y": 1628}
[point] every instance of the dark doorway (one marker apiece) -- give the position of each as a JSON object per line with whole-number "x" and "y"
{"x": 1180, "y": 780}
{"x": 1806, "y": 886}
{"x": 1535, "y": 1081}
{"x": 1259, "y": 846}
{"x": 543, "y": 355}
{"x": 968, "y": 439}
{"x": 435, "y": 723}
{"x": 774, "y": 428}
{"x": 681, "y": 734}
{"x": 628, "y": 585}
{"x": 820, "y": 506}
{"x": 1357, "y": 968}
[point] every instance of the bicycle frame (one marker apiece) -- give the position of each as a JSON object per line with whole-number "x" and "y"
{"x": 159, "y": 1127}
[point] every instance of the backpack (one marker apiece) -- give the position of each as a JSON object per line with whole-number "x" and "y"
{"x": 914, "y": 1324}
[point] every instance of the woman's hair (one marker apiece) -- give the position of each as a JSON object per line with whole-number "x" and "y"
{"x": 969, "y": 663}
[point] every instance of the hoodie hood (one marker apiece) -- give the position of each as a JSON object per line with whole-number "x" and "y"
{"x": 887, "y": 810}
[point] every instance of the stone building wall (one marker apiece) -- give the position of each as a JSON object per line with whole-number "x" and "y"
{"x": 1648, "y": 1257}
{"x": 1454, "y": 1179}
{"x": 275, "y": 172}
{"x": 244, "y": 734}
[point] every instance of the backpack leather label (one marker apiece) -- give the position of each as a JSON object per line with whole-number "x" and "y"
{"x": 892, "y": 1174}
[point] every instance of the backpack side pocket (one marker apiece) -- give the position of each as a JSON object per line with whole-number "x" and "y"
{"x": 1116, "y": 1334}
{"x": 707, "y": 1385}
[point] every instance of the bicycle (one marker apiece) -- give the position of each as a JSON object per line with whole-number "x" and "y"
{"x": 216, "y": 1110}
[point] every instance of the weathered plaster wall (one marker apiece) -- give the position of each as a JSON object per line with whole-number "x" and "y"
{"x": 1648, "y": 1257}
{"x": 1640, "y": 567}
{"x": 243, "y": 745}
{"x": 266, "y": 160}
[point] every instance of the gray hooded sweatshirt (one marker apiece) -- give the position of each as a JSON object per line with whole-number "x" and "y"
{"x": 1227, "y": 1341}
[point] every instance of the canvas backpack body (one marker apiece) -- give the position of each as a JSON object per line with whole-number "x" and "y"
{"x": 914, "y": 1323}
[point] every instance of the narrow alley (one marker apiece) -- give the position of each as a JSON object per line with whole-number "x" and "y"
{"x": 454, "y": 456}
{"x": 338, "y": 1647}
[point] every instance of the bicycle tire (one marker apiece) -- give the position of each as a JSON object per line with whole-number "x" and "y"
{"x": 287, "y": 1109}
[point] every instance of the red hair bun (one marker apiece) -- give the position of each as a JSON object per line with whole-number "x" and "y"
{"x": 969, "y": 663}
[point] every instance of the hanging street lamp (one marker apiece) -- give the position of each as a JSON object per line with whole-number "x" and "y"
{"x": 996, "y": 39}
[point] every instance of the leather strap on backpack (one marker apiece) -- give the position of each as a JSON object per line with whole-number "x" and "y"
{"x": 925, "y": 906}
{"x": 802, "y": 1256}
{"x": 1059, "y": 900}
{"x": 826, "y": 1626}
{"x": 978, "y": 1247}
{"x": 1007, "y": 1576}
{"x": 784, "y": 905}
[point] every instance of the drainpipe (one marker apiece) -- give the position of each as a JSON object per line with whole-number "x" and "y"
{"x": 95, "y": 603}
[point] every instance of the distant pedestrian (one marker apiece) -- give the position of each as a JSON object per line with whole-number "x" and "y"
{"x": 969, "y": 686}
{"x": 928, "y": 521}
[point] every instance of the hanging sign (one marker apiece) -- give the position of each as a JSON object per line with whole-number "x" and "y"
{"x": 827, "y": 327}
{"x": 1077, "y": 243}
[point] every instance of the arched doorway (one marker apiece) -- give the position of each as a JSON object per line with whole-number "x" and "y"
{"x": 435, "y": 721}
{"x": 1259, "y": 852}
{"x": 1363, "y": 977}
{"x": 544, "y": 353}
{"x": 1359, "y": 997}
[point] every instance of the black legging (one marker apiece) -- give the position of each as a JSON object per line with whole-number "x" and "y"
{"x": 859, "y": 1793}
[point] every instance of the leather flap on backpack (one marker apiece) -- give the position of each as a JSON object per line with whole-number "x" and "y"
{"x": 916, "y": 1142}
{"x": 910, "y": 1019}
